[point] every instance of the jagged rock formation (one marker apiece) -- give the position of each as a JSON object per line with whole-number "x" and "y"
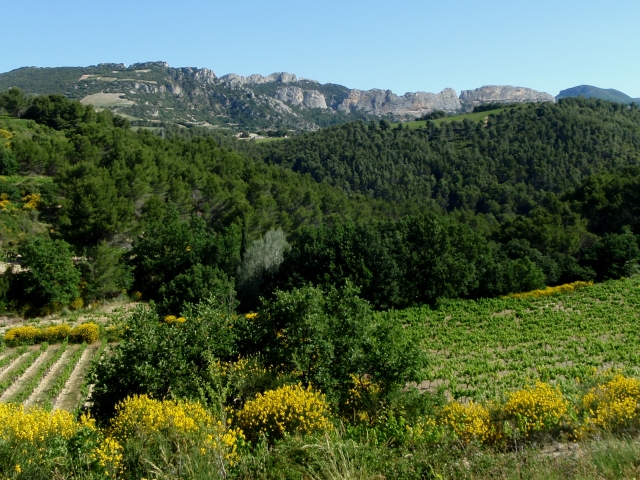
{"x": 385, "y": 102}
{"x": 299, "y": 97}
{"x": 282, "y": 77}
{"x": 502, "y": 94}
{"x": 149, "y": 93}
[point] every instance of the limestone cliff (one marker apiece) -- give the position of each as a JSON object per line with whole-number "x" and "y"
{"x": 385, "y": 102}
{"x": 298, "y": 97}
{"x": 502, "y": 94}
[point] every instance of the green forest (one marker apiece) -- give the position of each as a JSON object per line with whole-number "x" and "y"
{"x": 364, "y": 301}
{"x": 535, "y": 195}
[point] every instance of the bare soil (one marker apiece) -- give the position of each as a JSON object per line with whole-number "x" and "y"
{"x": 71, "y": 395}
{"x": 50, "y": 377}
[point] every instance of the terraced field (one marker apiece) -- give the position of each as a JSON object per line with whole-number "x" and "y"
{"x": 47, "y": 375}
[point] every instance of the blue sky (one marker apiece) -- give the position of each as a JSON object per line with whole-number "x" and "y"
{"x": 408, "y": 45}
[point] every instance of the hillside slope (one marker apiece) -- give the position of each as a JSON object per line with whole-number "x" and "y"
{"x": 589, "y": 91}
{"x": 152, "y": 93}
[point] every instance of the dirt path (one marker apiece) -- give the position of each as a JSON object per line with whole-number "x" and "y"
{"x": 70, "y": 396}
{"x": 30, "y": 372}
{"x": 51, "y": 376}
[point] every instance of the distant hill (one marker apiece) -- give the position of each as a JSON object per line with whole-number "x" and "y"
{"x": 153, "y": 93}
{"x": 589, "y": 91}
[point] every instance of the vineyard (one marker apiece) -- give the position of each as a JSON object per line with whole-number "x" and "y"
{"x": 46, "y": 375}
{"x": 481, "y": 349}
{"x": 44, "y": 362}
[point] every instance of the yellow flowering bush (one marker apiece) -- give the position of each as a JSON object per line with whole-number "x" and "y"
{"x": 537, "y": 408}
{"x": 54, "y": 333}
{"x": 32, "y": 201}
{"x": 37, "y": 425}
{"x": 4, "y": 201}
{"x": 173, "y": 320}
{"x": 286, "y": 410}
{"x": 361, "y": 395}
{"x": 26, "y": 334}
{"x": 426, "y": 430}
{"x": 77, "y": 304}
{"x": 6, "y": 134}
{"x": 85, "y": 333}
{"x": 141, "y": 416}
{"x": 110, "y": 456}
{"x": 613, "y": 405}
{"x": 470, "y": 421}
{"x": 548, "y": 291}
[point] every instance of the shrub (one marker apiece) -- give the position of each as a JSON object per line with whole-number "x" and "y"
{"x": 54, "y": 333}
{"x": 173, "y": 320}
{"x": 548, "y": 291}
{"x": 26, "y": 335}
{"x": 536, "y": 409}
{"x": 35, "y": 443}
{"x": 85, "y": 333}
{"x": 114, "y": 333}
{"x": 286, "y": 410}
{"x": 161, "y": 360}
{"x": 613, "y": 405}
{"x": 50, "y": 279}
{"x": 328, "y": 337}
{"x": 140, "y": 418}
{"x": 470, "y": 421}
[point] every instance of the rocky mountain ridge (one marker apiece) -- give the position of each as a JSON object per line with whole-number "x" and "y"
{"x": 154, "y": 92}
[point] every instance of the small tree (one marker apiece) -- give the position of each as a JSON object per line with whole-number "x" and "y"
{"x": 103, "y": 272}
{"x": 329, "y": 338}
{"x": 262, "y": 258}
{"x": 50, "y": 279}
{"x": 164, "y": 360}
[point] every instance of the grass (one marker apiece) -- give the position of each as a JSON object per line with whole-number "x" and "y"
{"x": 268, "y": 139}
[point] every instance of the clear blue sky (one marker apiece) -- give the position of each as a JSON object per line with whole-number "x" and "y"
{"x": 410, "y": 45}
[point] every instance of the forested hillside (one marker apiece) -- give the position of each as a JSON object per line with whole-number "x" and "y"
{"x": 535, "y": 195}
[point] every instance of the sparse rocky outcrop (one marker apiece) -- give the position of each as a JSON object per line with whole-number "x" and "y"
{"x": 299, "y": 97}
{"x": 502, "y": 94}
{"x": 281, "y": 77}
{"x": 145, "y": 65}
{"x": 385, "y": 102}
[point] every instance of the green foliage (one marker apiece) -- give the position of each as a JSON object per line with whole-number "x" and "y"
{"x": 327, "y": 338}
{"x": 56, "y": 111}
{"x": 164, "y": 360}
{"x": 50, "y": 279}
{"x": 104, "y": 275}
{"x": 610, "y": 201}
{"x": 262, "y": 258}
{"x": 196, "y": 283}
{"x": 92, "y": 210}
{"x": 176, "y": 261}
{"x": 614, "y": 256}
{"x": 8, "y": 162}
{"x": 14, "y": 101}
{"x": 412, "y": 261}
